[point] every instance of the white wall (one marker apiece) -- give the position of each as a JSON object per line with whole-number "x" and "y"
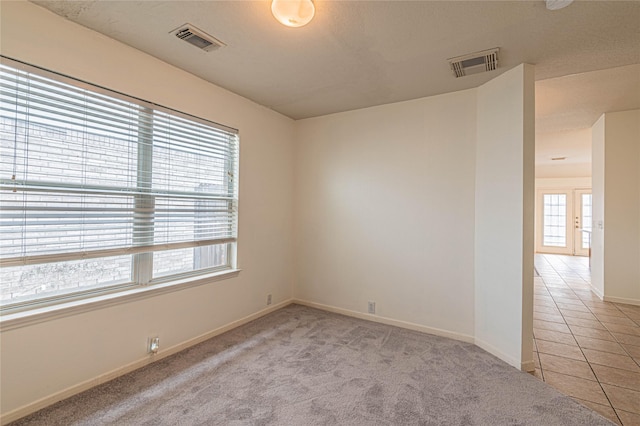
{"x": 41, "y": 360}
{"x": 597, "y": 209}
{"x": 563, "y": 182}
{"x": 384, "y": 209}
{"x": 426, "y": 208}
{"x": 617, "y": 204}
{"x": 504, "y": 216}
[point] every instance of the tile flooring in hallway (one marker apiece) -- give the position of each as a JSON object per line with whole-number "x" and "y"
{"x": 584, "y": 347}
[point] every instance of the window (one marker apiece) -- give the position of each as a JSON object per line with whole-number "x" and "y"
{"x": 555, "y": 220}
{"x": 103, "y": 192}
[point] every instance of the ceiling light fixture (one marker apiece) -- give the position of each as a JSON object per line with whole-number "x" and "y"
{"x": 293, "y": 13}
{"x": 557, "y": 4}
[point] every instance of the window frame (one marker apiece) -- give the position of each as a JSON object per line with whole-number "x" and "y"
{"x": 141, "y": 274}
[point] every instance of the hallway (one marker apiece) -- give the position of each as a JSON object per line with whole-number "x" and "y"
{"x": 584, "y": 347}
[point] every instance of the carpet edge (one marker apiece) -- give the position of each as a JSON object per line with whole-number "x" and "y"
{"x": 41, "y": 403}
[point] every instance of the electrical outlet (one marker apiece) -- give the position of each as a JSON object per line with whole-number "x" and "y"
{"x": 154, "y": 345}
{"x": 372, "y": 307}
{"x": 268, "y": 299}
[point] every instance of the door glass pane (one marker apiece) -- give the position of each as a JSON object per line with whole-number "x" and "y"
{"x": 587, "y": 220}
{"x": 555, "y": 220}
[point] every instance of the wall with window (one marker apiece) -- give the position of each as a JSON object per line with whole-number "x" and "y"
{"x": 385, "y": 207}
{"x": 101, "y": 191}
{"x": 66, "y": 352}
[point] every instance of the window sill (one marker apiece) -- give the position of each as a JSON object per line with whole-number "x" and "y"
{"x": 36, "y": 315}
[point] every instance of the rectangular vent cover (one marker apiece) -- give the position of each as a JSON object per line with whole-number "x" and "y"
{"x": 474, "y": 63}
{"x": 197, "y": 38}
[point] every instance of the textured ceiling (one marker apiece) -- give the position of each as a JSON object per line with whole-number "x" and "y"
{"x": 577, "y": 101}
{"x": 567, "y": 107}
{"x": 356, "y": 54}
{"x": 573, "y": 145}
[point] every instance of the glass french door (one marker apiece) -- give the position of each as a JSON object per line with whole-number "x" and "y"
{"x": 583, "y": 220}
{"x": 563, "y": 216}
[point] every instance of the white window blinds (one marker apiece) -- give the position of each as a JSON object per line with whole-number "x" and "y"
{"x": 89, "y": 173}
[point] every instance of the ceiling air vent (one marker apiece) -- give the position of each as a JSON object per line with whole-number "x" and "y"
{"x": 474, "y": 63}
{"x": 197, "y": 37}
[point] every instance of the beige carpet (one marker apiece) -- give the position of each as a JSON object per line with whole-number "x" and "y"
{"x": 301, "y": 366}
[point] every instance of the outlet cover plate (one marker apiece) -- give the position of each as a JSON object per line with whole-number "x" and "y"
{"x": 372, "y": 307}
{"x": 154, "y": 345}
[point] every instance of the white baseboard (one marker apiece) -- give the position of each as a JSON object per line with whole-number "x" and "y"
{"x": 388, "y": 321}
{"x": 506, "y": 358}
{"x": 624, "y": 300}
{"x": 73, "y": 390}
{"x": 524, "y": 366}
{"x": 597, "y": 292}
{"x": 635, "y": 302}
{"x": 103, "y": 378}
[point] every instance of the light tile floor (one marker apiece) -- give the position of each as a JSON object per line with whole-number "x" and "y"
{"x": 584, "y": 347}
